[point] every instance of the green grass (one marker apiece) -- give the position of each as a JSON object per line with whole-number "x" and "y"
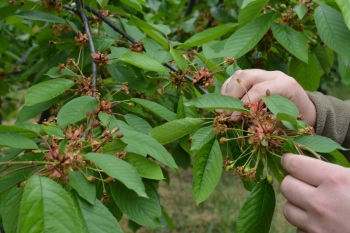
{"x": 215, "y": 215}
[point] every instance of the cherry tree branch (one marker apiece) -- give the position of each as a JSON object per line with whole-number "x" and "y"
{"x": 132, "y": 40}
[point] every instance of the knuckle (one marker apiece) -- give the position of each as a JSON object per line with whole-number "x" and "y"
{"x": 292, "y": 166}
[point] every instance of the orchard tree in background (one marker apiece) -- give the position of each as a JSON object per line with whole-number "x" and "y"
{"x": 128, "y": 89}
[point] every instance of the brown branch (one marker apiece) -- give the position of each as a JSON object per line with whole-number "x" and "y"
{"x": 132, "y": 40}
{"x": 16, "y": 170}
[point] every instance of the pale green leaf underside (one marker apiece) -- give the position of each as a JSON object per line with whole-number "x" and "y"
{"x": 156, "y": 108}
{"x": 120, "y": 170}
{"x": 47, "y": 90}
{"x": 16, "y": 141}
{"x": 75, "y": 110}
{"x": 333, "y": 31}
{"x": 248, "y": 36}
{"x": 143, "y": 61}
{"x": 175, "y": 129}
{"x": 46, "y": 207}
{"x": 217, "y": 101}
{"x": 207, "y": 171}
{"x": 257, "y": 211}
{"x": 144, "y": 211}
{"x": 295, "y": 42}
{"x": 138, "y": 123}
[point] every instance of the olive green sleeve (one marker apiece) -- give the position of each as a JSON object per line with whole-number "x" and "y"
{"x": 333, "y": 119}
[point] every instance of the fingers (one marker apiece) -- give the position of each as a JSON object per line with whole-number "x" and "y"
{"x": 300, "y": 231}
{"x": 309, "y": 170}
{"x": 295, "y": 215}
{"x": 248, "y": 78}
{"x": 297, "y": 192}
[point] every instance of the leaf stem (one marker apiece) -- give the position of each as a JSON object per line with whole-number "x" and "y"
{"x": 29, "y": 162}
{"x": 16, "y": 170}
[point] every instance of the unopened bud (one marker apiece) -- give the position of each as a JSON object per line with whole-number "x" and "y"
{"x": 239, "y": 81}
{"x": 88, "y": 113}
{"x": 229, "y": 168}
{"x": 268, "y": 93}
{"x": 115, "y": 129}
{"x": 21, "y": 184}
{"x": 269, "y": 179}
{"x": 246, "y": 169}
{"x": 223, "y": 140}
{"x": 91, "y": 178}
{"x": 119, "y": 135}
{"x": 131, "y": 104}
{"x": 109, "y": 180}
{"x": 95, "y": 124}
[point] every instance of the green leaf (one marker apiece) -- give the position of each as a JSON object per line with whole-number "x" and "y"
{"x": 318, "y": 143}
{"x": 186, "y": 111}
{"x": 145, "y": 167}
{"x": 41, "y": 16}
{"x": 82, "y": 186}
{"x": 53, "y": 131}
{"x": 250, "y": 9}
{"x": 133, "y": 4}
{"x": 202, "y": 137}
{"x": 274, "y": 164}
{"x": 46, "y": 207}
{"x": 47, "y": 90}
{"x": 22, "y": 131}
{"x": 175, "y": 129}
{"x": 244, "y": 39}
{"x": 344, "y": 5}
{"x": 307, "y": 75}
{"x": 75, "y": 110}
{"x": 322, "y": 57}
{"x": 144, "y": 211}
{"x": 333, "y": 30}
{"x": 138, "y": 124}
{"x": 156, "y": 108}
{"x": 119, "y": 170}
{"x": 279, "y": 104}
{"x": 257, "y": 211}
{"x": 54, "y": 72}
{"x": 8, "y": 10}
{"x": 179, "y": 60}
{"x": 142, "y": 61}
{"x": 337, "y": 158}
{"x": 150, "y": 26}
{"x": 113, "y": 147}
{"x": 10, "y": 205}
{"x": 16, "y": 141}
{"x": 301, "y": 10}
{"x": 208, "y": 35}
{"x": 148, "y": 145}
{"x": 28, "y": 112}
{"x": 293, "y": 41}
{"x": 95, "y": 218}
{"x": 217, "y": 101}
{"x": 207, "y": 170}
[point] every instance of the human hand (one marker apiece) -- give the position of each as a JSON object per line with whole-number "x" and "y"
{"x": 256, "y": 82}
{"x": 318, "y": 195}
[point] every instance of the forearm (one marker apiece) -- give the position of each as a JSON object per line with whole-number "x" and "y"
{"x": 333, "y": 119}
